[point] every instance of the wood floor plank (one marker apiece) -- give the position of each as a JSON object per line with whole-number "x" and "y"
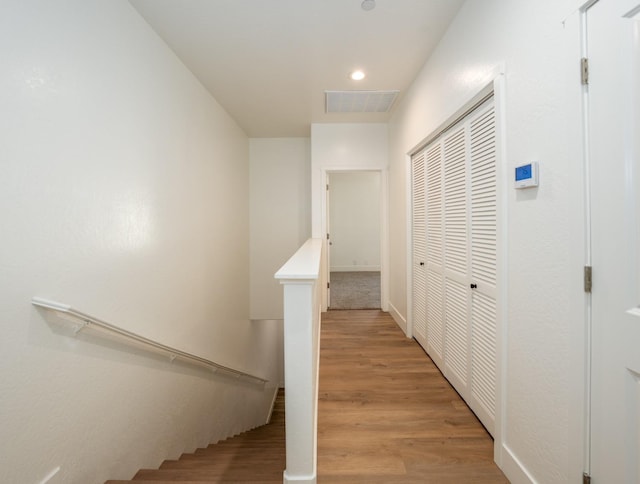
{"x": 387, "y": 415}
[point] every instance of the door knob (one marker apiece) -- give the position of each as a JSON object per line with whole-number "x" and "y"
{"x": 474, "y": 286}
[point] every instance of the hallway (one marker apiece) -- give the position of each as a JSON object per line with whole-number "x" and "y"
{"x": 387, "y": 415}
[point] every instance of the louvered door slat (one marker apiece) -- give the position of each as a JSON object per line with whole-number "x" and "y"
{"x": 483, "y": 201}
{"x": 434, "y": 205}
{"x": 483, "y": 343}
{"x": 483, "y": 197}
{"x": 457, "y": 338}
{"x": 435, "y": 318}
{"x": 455, "y": 201}
{"x": 435, "y": 253}
{"x": 419, "y": 288}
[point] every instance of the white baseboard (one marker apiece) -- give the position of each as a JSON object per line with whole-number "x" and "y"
{"x": 514, "y": 469}
{"x": 397, "y": 317}
{"x": 286, "y": 478}
{"x": 355, "y": 269}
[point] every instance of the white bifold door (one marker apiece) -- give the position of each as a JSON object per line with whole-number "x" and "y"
{"x": 454, "y": 234}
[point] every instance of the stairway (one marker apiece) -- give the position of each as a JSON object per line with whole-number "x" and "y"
{"x": 256, "y": 456}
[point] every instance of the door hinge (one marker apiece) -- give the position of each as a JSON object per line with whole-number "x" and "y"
{"x": 586, "y": 478}
{"x": 328, "y": 285}
{"x": 327, "y": 236}
{"x": 588, "y": 280}
{"x": 327, "y": 186}
{"x": 584, "y": 70}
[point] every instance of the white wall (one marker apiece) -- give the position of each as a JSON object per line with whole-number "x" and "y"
{"x": 354, "y": 215}
{"x": 541, "y": 432}
{"x": 280, "y": 215}
{"x": 124, "y": 191}
{"x": 343, "y": 147}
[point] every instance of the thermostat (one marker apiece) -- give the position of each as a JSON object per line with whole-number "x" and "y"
{"x": 527, "y": 175}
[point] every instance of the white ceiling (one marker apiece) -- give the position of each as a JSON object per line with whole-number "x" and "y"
{"x": 268, "y": 62}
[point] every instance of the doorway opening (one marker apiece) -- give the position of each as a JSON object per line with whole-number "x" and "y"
{"x": 354, "y": 235}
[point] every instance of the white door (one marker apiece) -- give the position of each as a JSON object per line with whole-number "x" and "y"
{"x": 418, "y": 286}
{"x": 435, "y": 253}
{"x": 484, "y": 262}
{"x": 456, "y": 259}
{"x": 613, "y": 38}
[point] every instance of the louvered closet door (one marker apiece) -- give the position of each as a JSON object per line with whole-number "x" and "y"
{"x": 483, "y": 263}
{"x": 455, "y": 235}
{"x": 419, "y": 293}
{"x": 456, "y": 246}
{"x": 435, "y": 253}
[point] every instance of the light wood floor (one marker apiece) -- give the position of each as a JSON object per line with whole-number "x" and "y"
{"x": 387, "y": 415}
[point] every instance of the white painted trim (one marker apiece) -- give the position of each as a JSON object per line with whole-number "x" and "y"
{"x": 503, "y": 186}
{"x": 409, "y": 238}
{"x": 355, "y": 269}
{"x": 304, "y": 264}
{"x": 384, "y": 239}
{"x": 579, "y": 370}
{"x": 495, "y": 86}
{"x": 513, "y": 468}
{"x": 397, "y": 317}
{"x": 298, "y": 479}
{"x": 384, "y": 227}
{"x": 273, "y": 403}
{"x": 300, "y": 277}
{"x": 586, "y": 178}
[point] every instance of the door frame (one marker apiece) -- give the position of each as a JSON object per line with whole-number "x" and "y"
{"x": 384, "y": 227}
{"x": 586, "y": 179}
{"x": 496, "y": 87}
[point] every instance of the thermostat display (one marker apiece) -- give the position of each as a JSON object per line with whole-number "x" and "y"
{"x": 527, "y": 175}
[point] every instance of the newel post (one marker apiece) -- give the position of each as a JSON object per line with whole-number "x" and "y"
{"x": 300, "y": 278}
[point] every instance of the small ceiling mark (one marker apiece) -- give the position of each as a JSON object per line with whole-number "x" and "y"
{"x": 368, "y": 5}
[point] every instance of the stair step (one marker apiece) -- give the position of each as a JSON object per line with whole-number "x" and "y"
{"x": 254, "y": 451}
{"x": 212, "y": 475}
{"x": 217, "y": 458}
{"x": 237, "y": 448}
{"x": 247, "y": 444}
{"x": 251, "y": 481}
{"x": 258, "y": 444}
{"x": 163, "y": 482}
{"x": 257, "y": 456}
{"x": 225, "y": 466}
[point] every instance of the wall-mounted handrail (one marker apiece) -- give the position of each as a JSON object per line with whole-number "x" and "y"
{"x": 84, "y": 321}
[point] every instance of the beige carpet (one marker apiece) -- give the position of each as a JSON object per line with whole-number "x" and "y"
{"x": 355, "y": 290}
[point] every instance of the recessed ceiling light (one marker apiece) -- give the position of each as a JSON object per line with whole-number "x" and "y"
{"x": 357, "y": 75}
{"x": 368, "y": 5}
